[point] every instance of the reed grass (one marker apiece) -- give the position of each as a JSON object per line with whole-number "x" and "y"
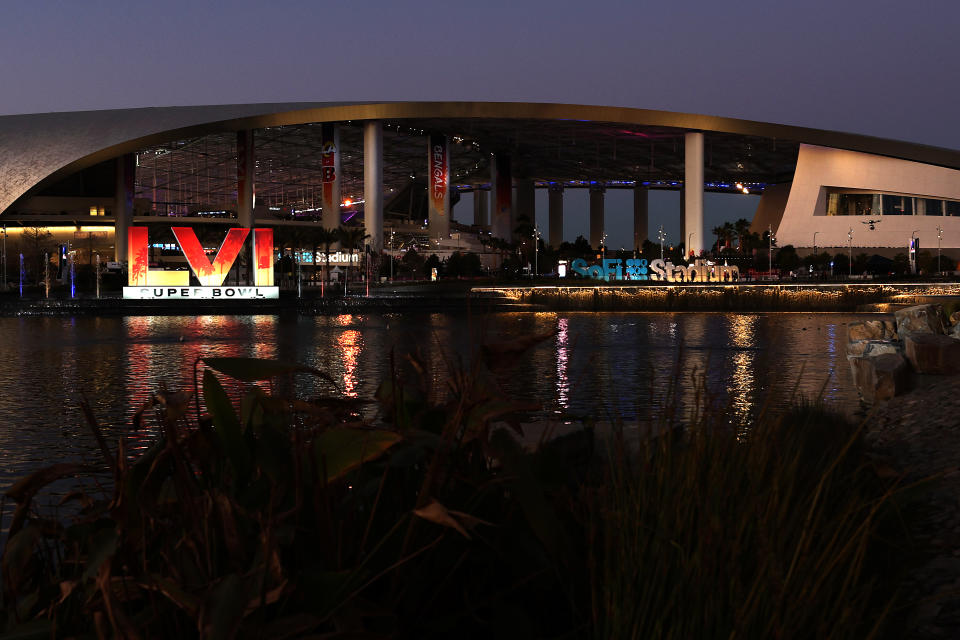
{"x": 279, "y": 516}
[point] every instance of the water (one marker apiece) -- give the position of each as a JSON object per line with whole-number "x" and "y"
{"x": 607, "y": 365}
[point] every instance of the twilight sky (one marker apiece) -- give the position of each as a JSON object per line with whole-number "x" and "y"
{"x": 878, "y": 67}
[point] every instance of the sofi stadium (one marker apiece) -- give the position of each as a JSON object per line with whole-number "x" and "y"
{"x": 400, "y": 168}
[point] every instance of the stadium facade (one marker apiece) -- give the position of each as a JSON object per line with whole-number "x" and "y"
{"x": 403, "y": 166}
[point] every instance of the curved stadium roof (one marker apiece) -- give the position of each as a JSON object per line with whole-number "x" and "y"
{"x": 546, "y": 141}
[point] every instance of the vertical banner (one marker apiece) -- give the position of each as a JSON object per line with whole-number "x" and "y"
{"x": 246, "y": 170}
{"x": 438, "y": 185}
{"x": 263, "y": 257}
{"x": 330, "y": 174}
{"x": 502, "y": 198}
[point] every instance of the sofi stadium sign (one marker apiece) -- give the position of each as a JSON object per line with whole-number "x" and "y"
{"x": 656, "y": 270}
{"x": 145, "y": 283}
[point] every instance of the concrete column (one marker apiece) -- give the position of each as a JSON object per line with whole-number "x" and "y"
{"x": 501, "y": 198}
{"x": 640, "y": 222}
{"x": 919, "y": 207}
{"x": 556, "y": 215}
{"x": 596, "y": 216}
{"x": 438, "y": 186}
{"x": 373, "y": 183}
{"x": 246, "y": 173}
{"x": 126, "y": 167}
{"x": 330, "y": 169}
{"x": 480, "y": 207}
{"x": 526, "y": 201}
{"x": 693, "y": 192}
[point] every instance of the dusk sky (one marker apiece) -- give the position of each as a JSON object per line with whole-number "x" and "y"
{"x": 876, "y": 67}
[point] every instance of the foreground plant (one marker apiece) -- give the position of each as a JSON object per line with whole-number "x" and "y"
{"x": 276, "y": 516}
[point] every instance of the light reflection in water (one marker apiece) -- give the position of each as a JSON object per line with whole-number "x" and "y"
{"x": 741, "y": 387}
{"x": 350, "y": 342}
{"x": 563, "y": 363}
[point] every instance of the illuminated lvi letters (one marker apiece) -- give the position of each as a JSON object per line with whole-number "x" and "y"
{"x": 210, "y": 274}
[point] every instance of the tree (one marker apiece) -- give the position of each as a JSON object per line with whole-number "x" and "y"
{"x": 742, "y": 228}
{"x": 35, "y": 242}
{"x": 412, "y": 262}
{"x": 433, "y": 262}
{"x": 787, "y": 258}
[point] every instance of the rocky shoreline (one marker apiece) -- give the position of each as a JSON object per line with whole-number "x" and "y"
{"x": 918, "y": 434}
{"x": 906, "y": 366}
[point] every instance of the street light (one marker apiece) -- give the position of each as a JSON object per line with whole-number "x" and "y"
{"x": 392, "y": 233}
{"x": 850, "y": 252}
{"x": 939, "y": 239}
{"x": 770, "y": 249}
{"x": 662, "y": 236}
{"x": 536, "y": 249}
{"x": 913, "y": 251}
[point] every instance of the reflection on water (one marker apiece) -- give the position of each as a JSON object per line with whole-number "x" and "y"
{"x": 742, "y": 384}
{"x": 608, "y": 365}
{"x": 563, "y": 363}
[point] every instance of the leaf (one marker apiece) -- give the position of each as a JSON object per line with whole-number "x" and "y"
{"x": 18, "y": 553}
{"x": 223, "y": 611}
{"x": 343, "y": 449}
{"x": 457, "y": 520}
{"x": 169, "y": 588}
{"x": 226, "y": 423}
{"x": 255, "y": 369}
{"x": 40, "y": 629}
{"x": 102, "y": 547}
{"x": 26, "y": 488}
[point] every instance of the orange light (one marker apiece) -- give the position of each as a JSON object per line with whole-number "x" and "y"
{"x": 347, "y": 202}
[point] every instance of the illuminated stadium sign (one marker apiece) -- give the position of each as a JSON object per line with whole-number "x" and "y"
{"x": 145, "y": 283}
{"x": 655, "y": 270}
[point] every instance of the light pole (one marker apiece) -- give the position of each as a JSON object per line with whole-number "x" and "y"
{"x": 662, "y": 236}
{"x": 913, "y": 251}
{"x": 536, "y": 250}
{"x": 391, "y": 254}
{"x": 850, "y": 252}
{"x": 4, "y": 258}
{"x": 939, "y": 240}
{"x": 770, "y": 249}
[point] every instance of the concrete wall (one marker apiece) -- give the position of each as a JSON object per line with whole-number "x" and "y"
{"x": 819, "y": 168}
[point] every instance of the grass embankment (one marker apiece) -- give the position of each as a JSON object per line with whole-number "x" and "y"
{"x": 281, "y": 517}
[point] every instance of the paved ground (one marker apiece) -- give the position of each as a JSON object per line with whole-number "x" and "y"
{"x": 919, "y": 433}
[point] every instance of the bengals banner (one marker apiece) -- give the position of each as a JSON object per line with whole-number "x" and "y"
{"x": 438, "y": 185}
{"x": 330, "y": 174}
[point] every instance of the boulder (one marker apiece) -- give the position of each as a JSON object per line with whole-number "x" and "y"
{"x": 922, "y": 318}
{"x": 955, "y": 331}
{"x": 955, "y": 318}
{"x": 870, "y": 330}
{"x": 932, "y": 353}
{"x": 879, "y": 378}
{"x": 873, "y": 347}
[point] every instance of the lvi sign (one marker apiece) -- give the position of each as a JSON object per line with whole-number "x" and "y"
{"x": 145, "y": 283}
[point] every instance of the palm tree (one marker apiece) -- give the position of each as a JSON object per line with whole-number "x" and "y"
{"x": 719, "y": 232}
{"x": 351, "y": 238}
{"x": 742, "y": 227}
{"x": 325, "y": 238}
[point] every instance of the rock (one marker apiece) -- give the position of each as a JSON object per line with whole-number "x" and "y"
{"x": 923, "y": 318}
{"x": 955, "y": 318}
{"x": 931, "y": 353}
{"x": 881, "y": 377}
{"x": 868, "y": 330}
{"x": 872, "y": 347}
{"x": 955, "y": 331}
